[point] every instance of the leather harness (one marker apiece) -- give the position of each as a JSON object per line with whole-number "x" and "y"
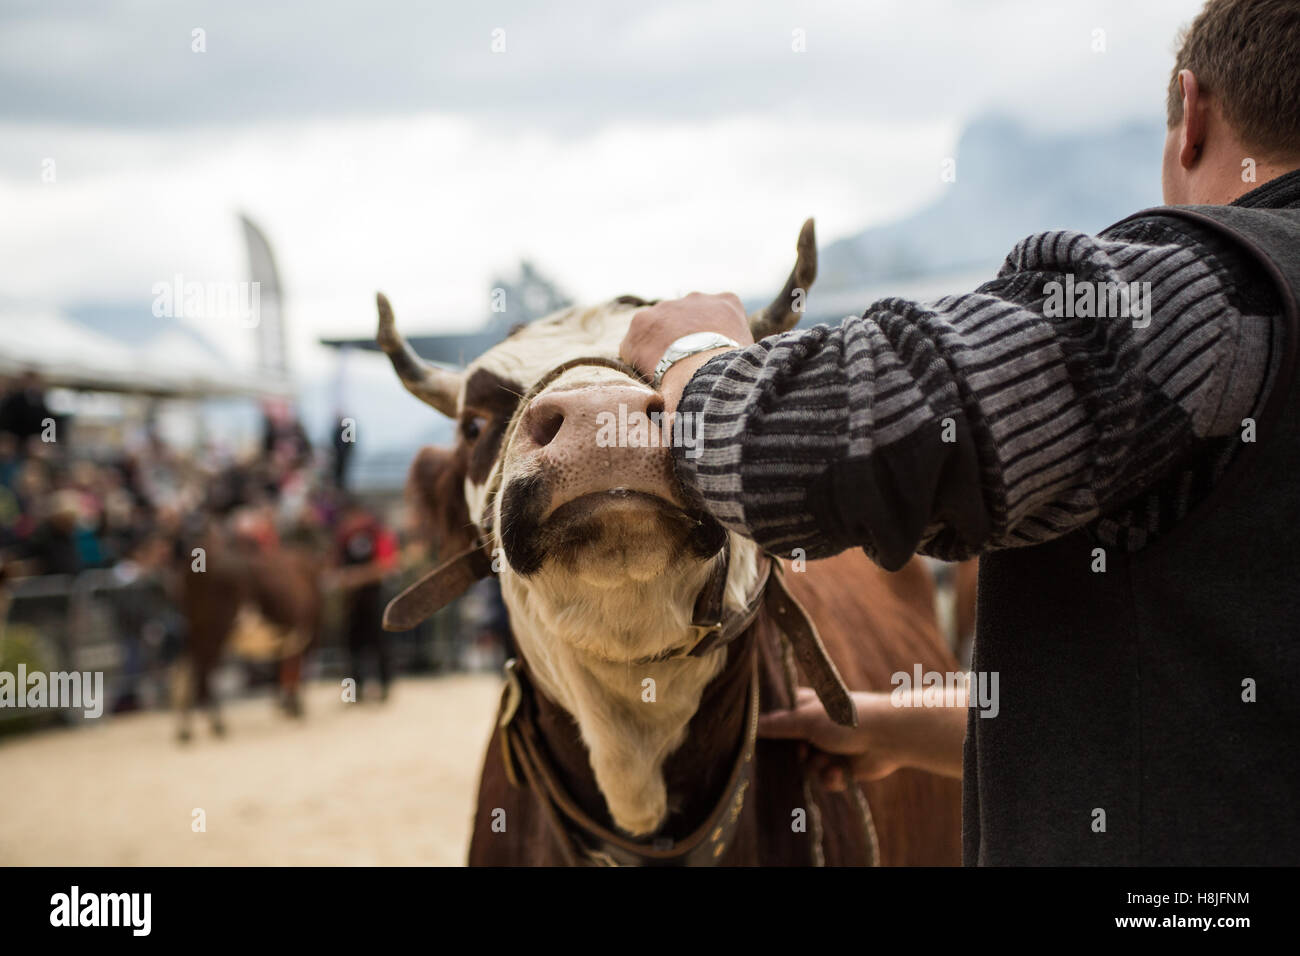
{"x": 584, "y": 841}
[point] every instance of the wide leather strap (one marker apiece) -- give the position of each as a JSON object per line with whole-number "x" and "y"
{"x": 717, "y": 630}
{"x": 714, "y": 627}
{"x": 809, "y": 651}
{"x": 439, "y": 587}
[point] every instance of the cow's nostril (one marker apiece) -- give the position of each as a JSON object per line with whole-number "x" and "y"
{"x": 544, "y": 424}
{"x": 655, "y": 405}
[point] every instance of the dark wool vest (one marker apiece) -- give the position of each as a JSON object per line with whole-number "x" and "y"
{"x": 1124, "y": 695}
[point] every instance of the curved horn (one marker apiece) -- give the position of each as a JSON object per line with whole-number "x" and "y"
{"x": 430, "y": 384}
{"x": 783, "y": 314}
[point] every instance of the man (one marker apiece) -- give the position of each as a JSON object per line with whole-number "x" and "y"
{"x": 23, "y": 412}
{"x": 366, "y": 554}
{"x": 61, "y": 544}
{"x": 1129, "y": 482}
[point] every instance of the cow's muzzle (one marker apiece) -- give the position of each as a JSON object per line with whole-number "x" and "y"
{"x": 596, "y": 481}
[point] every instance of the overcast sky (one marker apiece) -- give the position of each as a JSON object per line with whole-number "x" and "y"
{"x": 649, "y": 147}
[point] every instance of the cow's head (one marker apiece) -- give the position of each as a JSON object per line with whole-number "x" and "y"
{"x": 600, "y": 558}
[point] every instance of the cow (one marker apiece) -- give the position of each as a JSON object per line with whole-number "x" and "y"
{"x": 649, "y": 638}
{"x": 260, "y": 598}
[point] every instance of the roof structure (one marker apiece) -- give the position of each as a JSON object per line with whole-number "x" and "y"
{"x": 171, "y": 360}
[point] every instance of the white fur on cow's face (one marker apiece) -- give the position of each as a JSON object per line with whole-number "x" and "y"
{"x": 530, "y": 353}
{"x": 581, "y": 627}
{"x": 589, "y": 605}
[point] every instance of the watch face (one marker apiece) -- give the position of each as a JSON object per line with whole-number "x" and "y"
{"x": 691, "y": 344}
{"x": 696, "y": 340}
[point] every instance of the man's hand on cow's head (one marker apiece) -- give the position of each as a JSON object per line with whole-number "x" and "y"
{"x": 656, "y": 327}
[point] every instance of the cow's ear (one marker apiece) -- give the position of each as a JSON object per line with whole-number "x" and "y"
{"x": 435, "y": 489}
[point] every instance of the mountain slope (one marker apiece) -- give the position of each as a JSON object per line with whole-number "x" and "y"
{"x": 1010, "y": 182}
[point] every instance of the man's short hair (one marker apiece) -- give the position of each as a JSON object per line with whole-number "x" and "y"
{"x": 1246, "y": 53}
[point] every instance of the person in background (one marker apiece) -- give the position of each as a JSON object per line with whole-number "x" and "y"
{"x": 366, "y": 553}
{"x": 10, "y": 460}
{"x": 10, "y": 506}
{"x": 23, "y": 411}
{"x": 343, "y": 449}
{"x": 61, "y": 544}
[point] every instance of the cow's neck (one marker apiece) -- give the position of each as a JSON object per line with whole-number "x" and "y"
{"x": 655, "y": 734}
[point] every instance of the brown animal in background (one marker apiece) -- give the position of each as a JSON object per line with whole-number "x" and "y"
{"x": 649, "y": 636}
{"x": 269, "y": 600}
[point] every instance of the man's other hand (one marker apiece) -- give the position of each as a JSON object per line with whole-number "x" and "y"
{"x": 923, "y": 733}
{"x": 839, "y": 753}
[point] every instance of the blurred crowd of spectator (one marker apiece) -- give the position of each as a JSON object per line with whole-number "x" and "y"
{"x": 69, "y": 505}
{"x": 66, "y": 509}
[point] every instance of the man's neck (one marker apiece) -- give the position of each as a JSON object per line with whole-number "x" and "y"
{"x": 1282, "y": 189}
{"x": 1236, "y": 174}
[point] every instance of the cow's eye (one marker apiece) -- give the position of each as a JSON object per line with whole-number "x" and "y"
{"x": 473, "y": 427}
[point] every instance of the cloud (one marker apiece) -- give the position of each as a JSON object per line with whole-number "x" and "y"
{"x": 427, "y": 208}
{"x": 578, "y": 64}
{"x": 650, "y": 147}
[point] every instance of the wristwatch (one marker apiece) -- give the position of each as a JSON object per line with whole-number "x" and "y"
{"x": 692, "y": 344}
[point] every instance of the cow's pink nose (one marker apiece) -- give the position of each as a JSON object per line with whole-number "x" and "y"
{"x": 580, "y": 413}
{"x": 598, "y": 438}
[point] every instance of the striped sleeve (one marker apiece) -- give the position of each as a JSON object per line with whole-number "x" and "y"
{"x": 985, "y": 420}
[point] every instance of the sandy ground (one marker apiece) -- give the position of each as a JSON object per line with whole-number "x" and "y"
{"x": 353, "y": 784}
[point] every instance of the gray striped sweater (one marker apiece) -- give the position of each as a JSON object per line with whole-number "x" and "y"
{"x": 991, "y": 420}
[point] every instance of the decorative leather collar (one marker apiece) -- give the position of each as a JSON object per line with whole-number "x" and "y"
{"x": 585, "y": 842}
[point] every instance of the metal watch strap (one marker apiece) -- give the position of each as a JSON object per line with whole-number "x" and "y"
{"x": 676, "y": 352}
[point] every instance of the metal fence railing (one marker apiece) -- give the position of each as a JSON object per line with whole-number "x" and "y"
{"x": 131, "y": 631}
{"x": 97, "y": 622}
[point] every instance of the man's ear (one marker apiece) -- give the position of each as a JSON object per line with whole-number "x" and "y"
{"x": 435, "y": 490}
{"x": 1194, "y": 119}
